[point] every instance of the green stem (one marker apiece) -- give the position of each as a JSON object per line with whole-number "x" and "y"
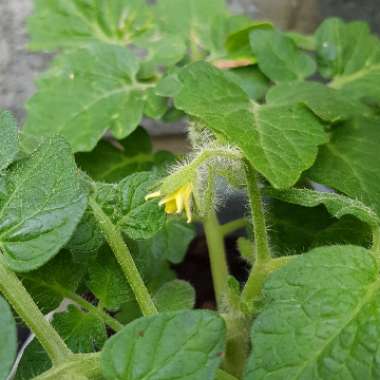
{"x": 14, "y": 291}
{"x": 78, "y": 367}
{"x": 217, "y": 254}
{"x": 97, "y": 312}
{"x": 258, "y": 218}
{"x": 233, "y": 226}
{"x": 261, "y": 246}
{"x": 124, "y": 258}
{"x": 376, "y": 242}
{"x": 222, "y": 375}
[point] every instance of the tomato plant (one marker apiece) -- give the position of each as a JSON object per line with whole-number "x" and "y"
{"x": 91, "y": 214}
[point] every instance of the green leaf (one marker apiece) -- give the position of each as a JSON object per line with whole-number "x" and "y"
{"x": 8, "y": 339}
{"x": 320, "y": 319}
{"x": 194, "y": 353}
{"x": 86, "y": 239}
{"x": 337, "y": 205}
{"x": 140, "y": 219}
{"x": 107, "y": 281}
{"x": 351, "y": 54}
{"x": 8, "y": 138}
{"x": 41, "y": 202}
{"x": 279, "y": 141}
{"x": 72, "y": 23}
{"x": 81, "y": 331}
{"x": 174, "y": 296}
{"x": 349, "y": 162}
{"x": 295, "y": 229}
{"x": 110, "y": 163}
{"x": 84, "y": 95}
{"x": 192, "y": 20}
{"x": 126, "y": 205}
{"x": 237, "y": 43}
{"x": 326, "y": 103}
{"x": 171, "y": 243}
{"x": 279, "y": 58}
{"x": 345, "y": 48}
{"x": 49, "y": 284}
{"x": 251, "y": 80}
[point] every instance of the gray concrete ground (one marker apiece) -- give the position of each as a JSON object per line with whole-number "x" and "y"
{"x": 19, "y": 68}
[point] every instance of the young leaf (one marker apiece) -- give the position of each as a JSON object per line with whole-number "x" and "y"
{"x": 237, "y": 42}
{"x": 345, "y": 48}
{"x": 327, "y": 103}
{"x": 72, "y": 23}
{"x": 49, "y": 284}
{"x": 137, "y": 218}
{"x": 337, "y": 205}
{"x": 107, "y": 281}
{"x": 171, "y": 243}
{"x": 41, "y": 203}
{"x": 152, "y": 347}
{"x": 174, "y": 296}
{"x": 8, "y": 138}
{"x": 84, "y": 95}
{"x": 320, "y": 317}
{"x": 349, "y": 162}
{"x": 81, "y": 331}
{"x": 279, "y": 141}
{"x": 8, "y": 339}
{"x": 351, "y": 54}
{"x": 279, "y": 58}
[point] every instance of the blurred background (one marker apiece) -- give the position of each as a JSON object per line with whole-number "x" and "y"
{"x": 19, "y": 68}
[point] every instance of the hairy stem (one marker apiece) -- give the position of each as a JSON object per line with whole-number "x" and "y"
{"x": 233, "y": 226}
{"x": 21, "y": 301}
{"x": 261, "y": 245}
{"x": 217, "y": 254}
{"x": 376, "y": 242}
{"x": 222, "y": 375}
{"x": 78, "y": 367}
{"x": 97, "y": 312}
{"x": 123, "y": 256}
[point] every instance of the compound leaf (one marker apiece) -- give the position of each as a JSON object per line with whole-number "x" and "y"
{"x": 84, "y": 95}
{"x": 320, "y": 318}
{"x": 279, "y": 141}
{"x": 41, "y": 202}
{"x": 152, "y": 348}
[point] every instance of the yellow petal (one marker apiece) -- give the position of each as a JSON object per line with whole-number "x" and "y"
{"x": 156, "y": 194}
{"x": 179, "y": 202}
{"x": 170, "y": 207}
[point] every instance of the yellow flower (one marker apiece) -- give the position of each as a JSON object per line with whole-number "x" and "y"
{"x": 177, "y": 201}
